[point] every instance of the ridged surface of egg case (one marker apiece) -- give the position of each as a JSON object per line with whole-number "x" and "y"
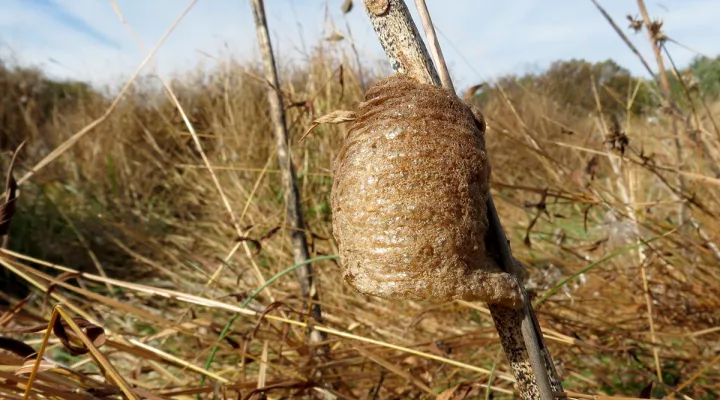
{"x": 408, "y": 198}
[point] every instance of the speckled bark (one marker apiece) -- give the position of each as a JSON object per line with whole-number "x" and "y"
{"x": 401, "y": 40}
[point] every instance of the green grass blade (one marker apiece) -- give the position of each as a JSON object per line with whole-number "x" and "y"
{"x": 247, "y": 301}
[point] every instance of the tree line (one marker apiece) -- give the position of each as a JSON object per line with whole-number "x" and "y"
{"x": 583, "y": 86}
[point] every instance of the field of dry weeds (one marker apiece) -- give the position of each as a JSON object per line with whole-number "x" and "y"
{"x": 615, "y": 217}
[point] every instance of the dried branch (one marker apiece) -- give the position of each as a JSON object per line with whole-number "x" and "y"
{"x": 293, "y": 209}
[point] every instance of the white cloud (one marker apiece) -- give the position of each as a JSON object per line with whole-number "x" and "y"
{"x": 83, "y": 39}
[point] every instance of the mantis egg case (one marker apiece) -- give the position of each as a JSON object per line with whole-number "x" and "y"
{"x": 408, "y": 198}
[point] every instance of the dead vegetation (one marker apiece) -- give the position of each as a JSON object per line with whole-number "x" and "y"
{"x": 127, "y": 231}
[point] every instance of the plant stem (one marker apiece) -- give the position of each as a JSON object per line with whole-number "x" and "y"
{"x": 293, "y": 209}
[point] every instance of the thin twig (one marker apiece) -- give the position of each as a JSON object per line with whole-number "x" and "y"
{"x": 434, "y": 45}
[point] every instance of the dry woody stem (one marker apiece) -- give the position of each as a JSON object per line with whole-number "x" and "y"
{"x": 293, "y": 209}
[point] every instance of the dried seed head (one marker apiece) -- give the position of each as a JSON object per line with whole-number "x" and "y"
{"x": 636, "y": 23}
{"x": 408, "y": 198}
{"x": 656, "y": 30}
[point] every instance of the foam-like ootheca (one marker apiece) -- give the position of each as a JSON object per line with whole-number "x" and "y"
{"x": 408, "y": 198}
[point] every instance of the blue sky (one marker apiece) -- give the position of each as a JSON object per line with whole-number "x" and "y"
{"x": 84, "y": 39}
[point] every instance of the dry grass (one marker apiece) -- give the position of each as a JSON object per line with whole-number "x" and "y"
{"x": 126, "y": 230}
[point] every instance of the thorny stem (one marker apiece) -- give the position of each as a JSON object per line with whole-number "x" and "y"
{"x": 518, "y": 329}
